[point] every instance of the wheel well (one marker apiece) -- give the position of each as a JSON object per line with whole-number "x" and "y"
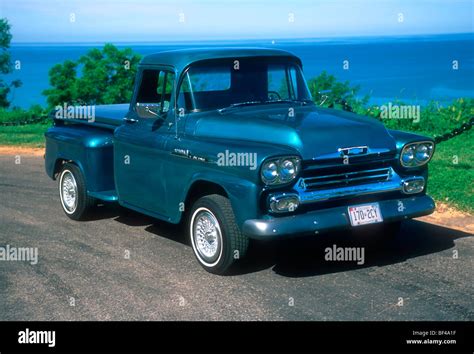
{"x": 200, "y": 189}
{"x": 58, "y": 165}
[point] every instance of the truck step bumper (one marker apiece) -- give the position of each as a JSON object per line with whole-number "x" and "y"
{"x": 333, "y": 218}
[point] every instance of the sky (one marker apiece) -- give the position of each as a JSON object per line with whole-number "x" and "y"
{"x": 68, "y": 21}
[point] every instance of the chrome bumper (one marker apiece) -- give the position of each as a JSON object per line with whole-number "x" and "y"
{"x": 333, "y": 218}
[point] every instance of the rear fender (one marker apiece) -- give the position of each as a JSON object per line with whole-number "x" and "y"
{"x": 89, "y": 148}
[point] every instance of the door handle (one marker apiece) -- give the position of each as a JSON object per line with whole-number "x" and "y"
{"x": 130, "y": 120}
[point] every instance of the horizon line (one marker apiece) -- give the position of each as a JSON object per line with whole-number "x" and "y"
{"x": 281, "y": 39}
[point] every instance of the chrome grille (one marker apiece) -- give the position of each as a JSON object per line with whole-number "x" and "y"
{"x": 344, "y": 179}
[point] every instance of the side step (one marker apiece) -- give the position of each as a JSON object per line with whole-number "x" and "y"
{"x": 106, "y": 196}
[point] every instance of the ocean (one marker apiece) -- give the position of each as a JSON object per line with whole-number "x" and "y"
{"x": 413, "y": 69}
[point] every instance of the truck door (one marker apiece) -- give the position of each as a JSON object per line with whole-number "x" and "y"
{"x": 139, "y": 145}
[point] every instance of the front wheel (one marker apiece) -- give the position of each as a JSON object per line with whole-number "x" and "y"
{"x": 73, "y": 193}
{"x": 215, "y": 237}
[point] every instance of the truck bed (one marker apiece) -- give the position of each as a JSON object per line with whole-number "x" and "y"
{"x": 106, "y": 116}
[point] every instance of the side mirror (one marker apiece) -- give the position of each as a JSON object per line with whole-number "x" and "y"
{"x": 148, "y": 110}
{"x": 324, "y": 96}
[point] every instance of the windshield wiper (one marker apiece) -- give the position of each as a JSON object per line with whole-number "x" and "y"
{"x": 251, "y": 103}
{"x": 303, "y": 102}
{"x": 239, "y": 104}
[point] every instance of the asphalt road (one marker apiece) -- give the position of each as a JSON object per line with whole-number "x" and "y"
{"x": 85, "y": 264}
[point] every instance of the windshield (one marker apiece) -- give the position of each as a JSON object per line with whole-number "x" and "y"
{"x": 227, "y": 83}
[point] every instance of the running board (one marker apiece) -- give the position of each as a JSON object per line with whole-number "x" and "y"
{"x": 106, "y": 196}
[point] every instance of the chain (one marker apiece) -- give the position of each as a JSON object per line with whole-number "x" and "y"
{"x": 25, "y": 122}
{"x": 455, "y": 132}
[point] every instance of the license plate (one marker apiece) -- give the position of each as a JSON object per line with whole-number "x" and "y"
{"x": 365, "y": 214}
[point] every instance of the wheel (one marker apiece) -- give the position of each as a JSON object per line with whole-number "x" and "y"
{"x": 215, "y": 237}
{"x": 73, "y": 193}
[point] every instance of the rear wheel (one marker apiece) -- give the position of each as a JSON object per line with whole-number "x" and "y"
{"x": 214, "y": 235}
{"x": 73, "y": 193}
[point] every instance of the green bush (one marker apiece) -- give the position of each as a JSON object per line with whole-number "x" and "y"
{"x": 435, "y": 118}
{"x": 18, "y": 115}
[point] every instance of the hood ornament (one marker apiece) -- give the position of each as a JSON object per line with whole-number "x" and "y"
{"x": 353, "y": 151}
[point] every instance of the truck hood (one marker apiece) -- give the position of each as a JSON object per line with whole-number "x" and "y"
{"x": 314, "y": 132}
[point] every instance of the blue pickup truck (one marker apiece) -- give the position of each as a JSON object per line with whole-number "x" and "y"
{"x": 230, "y": 142}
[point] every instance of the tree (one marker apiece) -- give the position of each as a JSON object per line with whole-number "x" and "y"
{"x": 325, "y": 88}
{"x": 106, "y": 77}
{"x": 5, "y": 63}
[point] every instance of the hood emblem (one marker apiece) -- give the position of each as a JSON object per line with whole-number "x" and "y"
{"x": 353, "y": 151}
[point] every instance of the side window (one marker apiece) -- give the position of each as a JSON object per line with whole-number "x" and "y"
{"x": 154, "y": 94}
{"x": 278, "y": 83}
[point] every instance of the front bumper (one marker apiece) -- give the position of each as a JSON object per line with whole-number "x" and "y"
{"x": 333, "y": 218}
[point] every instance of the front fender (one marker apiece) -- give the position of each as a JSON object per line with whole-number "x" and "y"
{"x": 402, "y": 138}
{"x": 243, "y": 194}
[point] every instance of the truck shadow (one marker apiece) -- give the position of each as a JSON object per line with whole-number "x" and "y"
{"x": 159, "y": 228}
{"x": 305, "y": 257}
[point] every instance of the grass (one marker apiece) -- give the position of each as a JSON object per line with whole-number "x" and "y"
{"x": 449, "y": 182}
{"x": 31, "y": 135}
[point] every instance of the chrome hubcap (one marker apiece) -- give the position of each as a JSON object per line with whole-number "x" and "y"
{"x": 68, "y": 191}
{"x": 207, "y": 235}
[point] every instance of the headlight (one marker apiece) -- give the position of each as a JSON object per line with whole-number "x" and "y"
{"x": 422, "y": 152}
{"x": 270, "y": 172}
{"x": 280, "y": 170}
{"x": 287, "y": 170}
{"x": 416, "y": 154}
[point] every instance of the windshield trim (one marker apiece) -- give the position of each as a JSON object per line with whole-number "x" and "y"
{"x": 283, "y": 59}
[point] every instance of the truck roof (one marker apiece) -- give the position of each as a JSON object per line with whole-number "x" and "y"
{"x": 181, "y": 58}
